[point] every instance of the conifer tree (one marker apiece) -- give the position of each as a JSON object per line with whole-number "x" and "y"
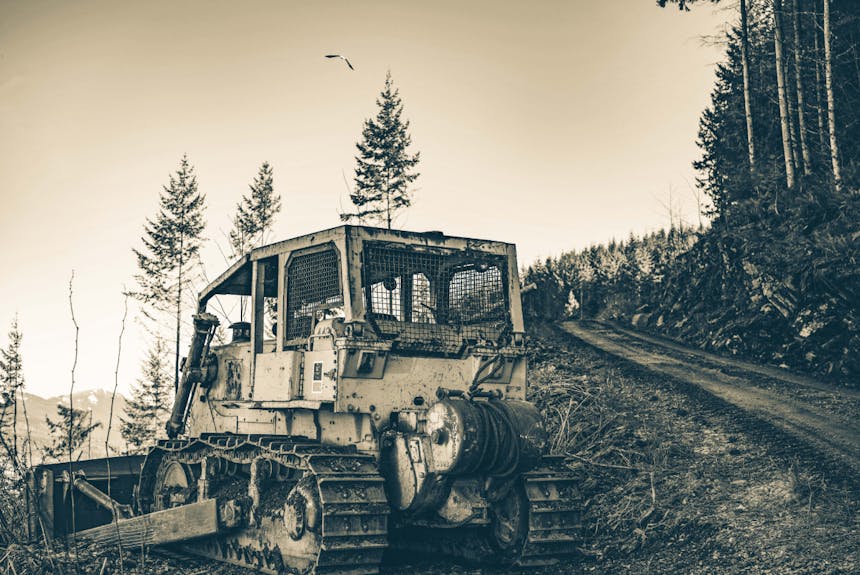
{"x": 171, "y": 244}
{"x": 74, "y": 424}
{"x": 255, "y": 214}
{"x": 11, "y": 384}
{"x": 385, "y": 168}
{"x": 253, "y": 221}
{"x": 147, "y": 410}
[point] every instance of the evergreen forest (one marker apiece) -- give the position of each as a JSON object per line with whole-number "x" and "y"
{"x": 774, "y": 276}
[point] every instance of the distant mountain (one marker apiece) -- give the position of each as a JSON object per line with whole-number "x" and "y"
{"x": 97, "y": 400}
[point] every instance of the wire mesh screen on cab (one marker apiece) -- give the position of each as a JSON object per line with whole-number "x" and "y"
{"x": 313, "y": 283}
{"x": 435, "y": 301}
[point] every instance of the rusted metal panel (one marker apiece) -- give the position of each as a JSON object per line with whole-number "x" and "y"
{"x": 335, "y": 235}
{"x": 277, "y": 376}
{"x": 346, "y": 429}
{"x": 364, "y": 363}
{"x": 43, "y": 490}
{"x": 411, "y": 382}
{"x": 233, "y": 281}
{"x": 319, "y": 380}
{"x": 234, "y": 369}
{"x": 429, "y": 239}
{"x": 232, "y": 383}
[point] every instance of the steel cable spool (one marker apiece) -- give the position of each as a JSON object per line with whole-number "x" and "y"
{"x": 488, "y": 437}
{"x": 504, "y": 437}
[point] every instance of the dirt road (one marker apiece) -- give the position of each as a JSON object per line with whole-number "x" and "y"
{"x": 820, "y": 415}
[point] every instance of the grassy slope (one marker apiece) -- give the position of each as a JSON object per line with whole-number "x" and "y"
{"x": 675, "y": 487}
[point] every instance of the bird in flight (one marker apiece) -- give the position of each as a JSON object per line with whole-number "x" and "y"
{"x": 342, "y": 58}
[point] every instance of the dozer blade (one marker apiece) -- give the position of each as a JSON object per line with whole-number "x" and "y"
{"x": 168, "y": 526}
{"x": 56, "y": 486}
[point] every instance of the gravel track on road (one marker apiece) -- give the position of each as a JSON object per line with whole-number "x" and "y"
{"x": 825, "y": 417}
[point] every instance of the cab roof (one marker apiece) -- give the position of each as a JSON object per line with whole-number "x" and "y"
{"x": 236, "y": 279}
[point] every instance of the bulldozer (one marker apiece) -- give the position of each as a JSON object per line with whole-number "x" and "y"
{"x": 375, "y": 400}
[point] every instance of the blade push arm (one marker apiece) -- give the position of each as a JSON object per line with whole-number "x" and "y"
{"x": 204, "y": 329}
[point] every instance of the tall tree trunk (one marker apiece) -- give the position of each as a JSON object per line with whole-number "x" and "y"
{"x": 831, "y": 111}
{"x": 178, "y": 316}
{"x": 15, "y": 423}
{"x": 819, "y": 101}
{"x": 27, "y": 437}
{"x": 388, "y": 199}
{"x": 798, "y": 76}
{"x": 784, "y": 119}
{"x": 789, "y": 91}
{"x": 792, "y": 108}
{"x": 747, "y": 105}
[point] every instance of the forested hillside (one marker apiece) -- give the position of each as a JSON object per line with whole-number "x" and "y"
{"x": 775, "y": 275}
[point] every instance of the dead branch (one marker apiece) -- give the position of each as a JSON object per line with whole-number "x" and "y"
{"x": 107, "y": 435}
{"x": 72, "y": 417}
{"x": 600, "y": 464}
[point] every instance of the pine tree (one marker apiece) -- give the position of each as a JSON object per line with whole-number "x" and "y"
{"x": 74, "y": 423}
{"x": 149, "y": 406}
{"x": 171, "y": 244}
{"x": 11, "y": 386}
{"x": 256, "y": 213}
{"x": 384, "y": 169}
{"x": 253, "y": 221}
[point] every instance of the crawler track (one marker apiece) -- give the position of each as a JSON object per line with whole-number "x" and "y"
{"x": 349, "y": 534}
{"x": 553, "y": 528}
{"x": 822, "y": 417}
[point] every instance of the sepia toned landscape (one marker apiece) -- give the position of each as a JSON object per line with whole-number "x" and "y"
{"x": 560, "y": 287}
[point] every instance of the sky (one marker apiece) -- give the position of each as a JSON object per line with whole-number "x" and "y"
{"x": 552, "y": 125}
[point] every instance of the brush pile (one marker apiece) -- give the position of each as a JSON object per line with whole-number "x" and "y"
{"x": 626, "y": 472}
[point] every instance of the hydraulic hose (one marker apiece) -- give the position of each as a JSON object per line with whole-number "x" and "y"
{"x": 204, "y": 326}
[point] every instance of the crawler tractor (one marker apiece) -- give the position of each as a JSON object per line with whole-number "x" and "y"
{"x": 375, "y": 399}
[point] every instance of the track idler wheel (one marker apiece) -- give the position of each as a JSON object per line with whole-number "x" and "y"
{"x": 509, "y": 524}
{"x": 301, "y": 511}
{"x": 175, "y": 485}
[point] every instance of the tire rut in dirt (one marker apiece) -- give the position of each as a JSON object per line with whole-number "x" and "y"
{"x": 781, "y": 444}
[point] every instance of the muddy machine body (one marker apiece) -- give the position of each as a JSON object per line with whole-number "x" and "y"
{"x": 376, "y": 397}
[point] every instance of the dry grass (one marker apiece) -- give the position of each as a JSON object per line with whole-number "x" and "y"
{"x": 670, "y": 486}
{"x": 622, "y": 463}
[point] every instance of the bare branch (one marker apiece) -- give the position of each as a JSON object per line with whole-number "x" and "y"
{"x": 110, "y": 425}
{"x": 72, "y": 416}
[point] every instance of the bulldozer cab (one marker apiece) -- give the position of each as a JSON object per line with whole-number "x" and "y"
{"x": 339, "y": 318}
{"x": 423, "y": 292}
